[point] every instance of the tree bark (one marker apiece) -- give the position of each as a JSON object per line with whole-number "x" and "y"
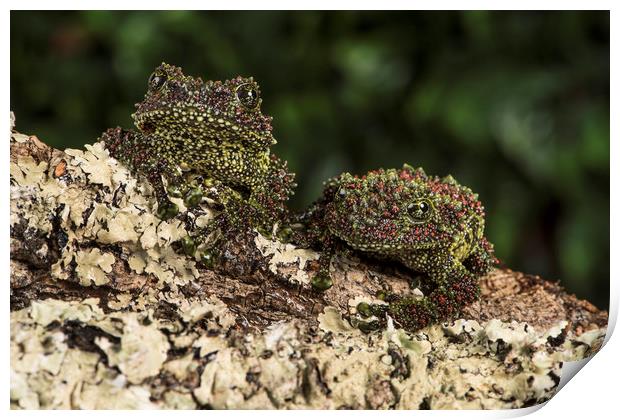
{"x": 105, "y": 314}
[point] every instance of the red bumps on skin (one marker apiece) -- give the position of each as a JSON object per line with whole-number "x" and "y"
{"x": 374, "y": 218}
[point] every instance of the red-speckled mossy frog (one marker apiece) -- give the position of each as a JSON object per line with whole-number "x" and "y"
{"x": 432, "y": 225}
{"x": 195, "y": 133}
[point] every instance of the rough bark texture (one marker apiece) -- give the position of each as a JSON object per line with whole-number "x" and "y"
{"x": 105, "y": 314}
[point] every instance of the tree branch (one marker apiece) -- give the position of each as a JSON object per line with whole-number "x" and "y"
{"x": 105, "y": 314}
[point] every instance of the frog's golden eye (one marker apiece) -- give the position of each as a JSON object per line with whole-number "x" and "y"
{"x": 420, "y": 210}
{"x": 248, "y": 95}
{"x": 157, "y": 81}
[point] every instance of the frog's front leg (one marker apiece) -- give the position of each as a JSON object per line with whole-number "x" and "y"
{"x": 270, "y": 193}
{"x": 455, "y": 288}
{"x": 157, "y": 169}
{"x": 331, "y": 246}
{"x": 177, "y": 185}
{"x": 322, "y": 280}
{"x": 140, "y": 154}
{"x": 482, "y": 259}
{"x": 233, "y": 216}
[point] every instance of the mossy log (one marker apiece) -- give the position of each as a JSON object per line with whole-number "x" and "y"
{"x": 105, "y": 313}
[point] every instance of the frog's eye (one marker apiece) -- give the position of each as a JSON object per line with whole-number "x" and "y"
{"x": 248, "y": 95}
{"x": 419, "y": 210}
{"x": 157, "y": 80}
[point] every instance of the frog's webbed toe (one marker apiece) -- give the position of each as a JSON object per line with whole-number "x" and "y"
{"x": 193, "y": 197}
{"x": 208, "y": 258}
{"x": 166, "y": 209}
{"x": 202, "y": 244}
{"x": 374, "y": 316}
{"x": 456, "y": 288}
{"x": 322, "y": 281}
{"x": 157, "y": 171}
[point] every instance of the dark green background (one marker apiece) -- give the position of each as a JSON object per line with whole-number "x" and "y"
{"x": 513, "y": 104}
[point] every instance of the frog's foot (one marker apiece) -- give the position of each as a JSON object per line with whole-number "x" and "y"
{"x": 413, "y": 313}
{"x": 208, "y": 258}
{"x": 408, "y": 312}
{"x": 442, "y": 304}
{"x": 208, "y": 241}
{"x": 192, "y": 197}
{"x": 370, "y": 326}
{"x": 236, "y": 213}
{"x": 372, "y": 316}
{"x": 322, "y": 281}
{"x": 166, "y": 209}
{"x": 191, "y": 191}
{"x": 196, "y": 246}
{"x": 189, "y": 245}
{"x": 156, "y": 170}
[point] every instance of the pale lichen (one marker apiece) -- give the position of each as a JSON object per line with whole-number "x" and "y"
{"x": 142, "y": 349}
{"x": 465, "y": 364}
{"x": 286, "y": 260}
{"x": 154, "y": 339}
{"x": 98, "y": 203}
{"x": 92, "y": 266}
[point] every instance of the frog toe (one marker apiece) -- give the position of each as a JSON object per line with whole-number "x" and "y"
{"x": 371, "y": 317}
{"x": 369, "y": 326}
{"x": 188, "y": 244}
{"x": 208, "y": 258}
{"x": 167, "y": 210}
{"x": 322, "y": 281}
{"x": 193, "y": 197}
{"x": 174, "y": 191}
{"x": 364, "y": 309}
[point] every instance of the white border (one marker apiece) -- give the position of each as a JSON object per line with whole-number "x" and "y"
{"x": 592, "y": 395}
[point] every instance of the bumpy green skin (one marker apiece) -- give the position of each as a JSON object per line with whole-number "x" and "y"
{"x": 431, "y": 225}
{"x": 210, "y": 131}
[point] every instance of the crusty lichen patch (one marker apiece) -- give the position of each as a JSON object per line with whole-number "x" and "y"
{"x": 92, "y": 266}
{"x": 287, "y": 260}
{"x": 142, "y": 349}
{"x": 119, "y": 357}
{"x": 167, "y": 344}
{"x": 99, "y": 207}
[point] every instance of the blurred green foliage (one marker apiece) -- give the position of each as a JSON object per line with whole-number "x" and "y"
{"x": 513, "y": 104}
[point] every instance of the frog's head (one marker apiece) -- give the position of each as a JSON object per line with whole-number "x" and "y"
{"x": 182, "y": 106}
{"x": 400, "y": 210}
